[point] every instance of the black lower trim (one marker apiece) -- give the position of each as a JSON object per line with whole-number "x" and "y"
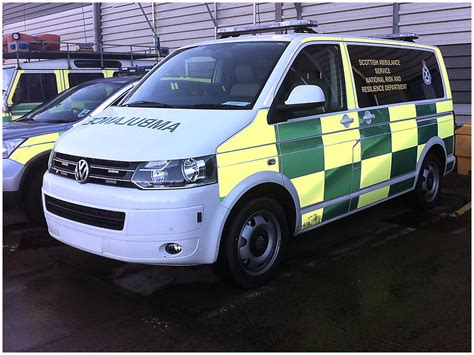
{"x": 87, "y": 215}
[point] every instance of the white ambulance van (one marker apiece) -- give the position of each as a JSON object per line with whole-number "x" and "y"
{"x": 230, "y": 147}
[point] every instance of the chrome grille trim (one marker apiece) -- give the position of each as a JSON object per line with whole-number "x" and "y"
{"x": 102, "y": 172}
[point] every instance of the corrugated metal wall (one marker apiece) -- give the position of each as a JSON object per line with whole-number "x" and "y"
{"x": 74, "y": 25}
{"x": 124, "y": 23}
{"x": 447, "y": 25}
{"x": 18, "y": 12}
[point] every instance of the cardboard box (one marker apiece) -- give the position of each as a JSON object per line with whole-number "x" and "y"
{"x": 463, "y": 146}
{"x": 464, "y": 166}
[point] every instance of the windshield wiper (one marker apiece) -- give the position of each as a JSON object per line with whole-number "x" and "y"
{"x": 148, "y": 104}
{"x": 214, "y": 106}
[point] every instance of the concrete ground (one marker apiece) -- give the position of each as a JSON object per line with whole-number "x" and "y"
{"x": 385, "y": 279}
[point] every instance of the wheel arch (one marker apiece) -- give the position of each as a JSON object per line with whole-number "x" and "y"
{"x": 269, "y": 184}
{"x": 434, "y": 145}
{"x": 31, "y": 170}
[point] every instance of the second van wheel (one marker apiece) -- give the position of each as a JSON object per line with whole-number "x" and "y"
{"x": 253, "y": 243}
{"x": 428, "y": 187}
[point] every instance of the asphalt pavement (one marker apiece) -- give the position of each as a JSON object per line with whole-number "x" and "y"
{"x": 389, "y": 278}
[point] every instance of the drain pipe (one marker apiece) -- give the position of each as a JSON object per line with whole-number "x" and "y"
{"x": 96, "y": 17}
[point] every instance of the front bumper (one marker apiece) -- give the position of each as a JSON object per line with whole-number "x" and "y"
{"x": 153, "y": 218}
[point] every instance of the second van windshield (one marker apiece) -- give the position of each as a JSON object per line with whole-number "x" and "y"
{"x": 215, "y": 76}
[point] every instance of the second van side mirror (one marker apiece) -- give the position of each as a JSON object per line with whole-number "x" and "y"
{"x": 304, "y": 96}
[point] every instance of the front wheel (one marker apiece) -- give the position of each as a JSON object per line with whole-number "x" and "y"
{"x": 428, "y": 187}
{"x": 253, "y": 242}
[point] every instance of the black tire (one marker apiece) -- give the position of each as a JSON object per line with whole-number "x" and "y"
{"x": 428, "y": 186}
{"x": 33, "y": 204}
{"x": 265, "y": 225}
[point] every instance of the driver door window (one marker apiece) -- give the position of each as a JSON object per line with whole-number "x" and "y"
{"x": 318, "y": 65}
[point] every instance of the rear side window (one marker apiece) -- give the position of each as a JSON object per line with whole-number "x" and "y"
{"x": 388, "y": 75}
{"x": 79, "y": 78}
{"x": 35, "y": 87}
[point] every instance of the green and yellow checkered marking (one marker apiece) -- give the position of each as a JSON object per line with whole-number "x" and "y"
{"x": 247, "y": 153}
{"x": 327, "y": 162}
{"x": 389, "y": 147}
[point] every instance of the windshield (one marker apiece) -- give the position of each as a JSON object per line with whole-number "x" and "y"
{"x": 7, "y": 77}
{"x": 73, "y": 104}
{"x": 215, "y": 76}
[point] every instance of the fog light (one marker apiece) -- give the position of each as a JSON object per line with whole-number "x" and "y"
{"x": 173, "y": 248}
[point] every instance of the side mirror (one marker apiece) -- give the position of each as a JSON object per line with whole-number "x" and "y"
{"x": 304, "y": 96}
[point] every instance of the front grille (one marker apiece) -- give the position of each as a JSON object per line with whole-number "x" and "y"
{"x": 87, "y": 215}
{"x": 103, "y": 172}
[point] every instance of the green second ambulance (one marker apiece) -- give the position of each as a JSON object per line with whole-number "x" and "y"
{"x": 230, "y": 147}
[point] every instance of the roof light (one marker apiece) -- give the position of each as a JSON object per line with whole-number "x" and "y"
{"x": 296, "y": 25}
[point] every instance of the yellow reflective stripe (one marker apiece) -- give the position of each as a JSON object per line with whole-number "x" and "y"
{"x": 66, "y": 79}
{"x": 34, "y": 146}
{"x": 447, "y": 85}
{"x": 444, "y": 106}
{"x": 256, "y": 133}
{"x": 404, "y": 134}
{"x": 373, "y": 196}
{"x": 420, "y": 150}
{"x": 13, "y": 88}
{"x": 310, "y": 188}
{"x": 41, "y": 139}
{"x": 350, "y": 94}
{"x": 311, "y": 218}
{"x": 375, "y": 170}
{"x": 321, "y": 38}
{"x": 247, "y": 153}
{"x": 108, "y": 73}
{"x": 59, "y": 80}
{"x": 445, "y": 126}
{"x": 23, "y": 154}
{"x": 402, "y": 112}
{"x": 230, "y": 176}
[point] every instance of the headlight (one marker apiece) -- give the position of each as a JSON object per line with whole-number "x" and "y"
{"x": 50, "y": 159}
{"x": 176, "y": 173}
{"x": 10, "y": 145}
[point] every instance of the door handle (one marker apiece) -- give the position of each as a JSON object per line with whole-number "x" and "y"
{"x": 347, "y": 120}
{"x": 368, "y": 117}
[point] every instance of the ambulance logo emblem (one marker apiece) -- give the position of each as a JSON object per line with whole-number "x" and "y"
{"x": 81, "y": 173}
{"x": 425, "y": 73}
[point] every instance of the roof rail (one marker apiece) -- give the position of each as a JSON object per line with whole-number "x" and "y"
{"x": 71, "y": 50}
{"x": 298, "y": 26}
{"x": 407, "y": 36}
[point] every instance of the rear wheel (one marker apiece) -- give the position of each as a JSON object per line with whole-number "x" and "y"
{"x": 33, "y": 201}
{"x": 253, "y": 242}
{"x": 428, "y": 187}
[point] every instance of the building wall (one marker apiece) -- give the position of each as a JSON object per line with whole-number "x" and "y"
{"x": 447, "y": 25}
{"x": 72, "y": 23}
